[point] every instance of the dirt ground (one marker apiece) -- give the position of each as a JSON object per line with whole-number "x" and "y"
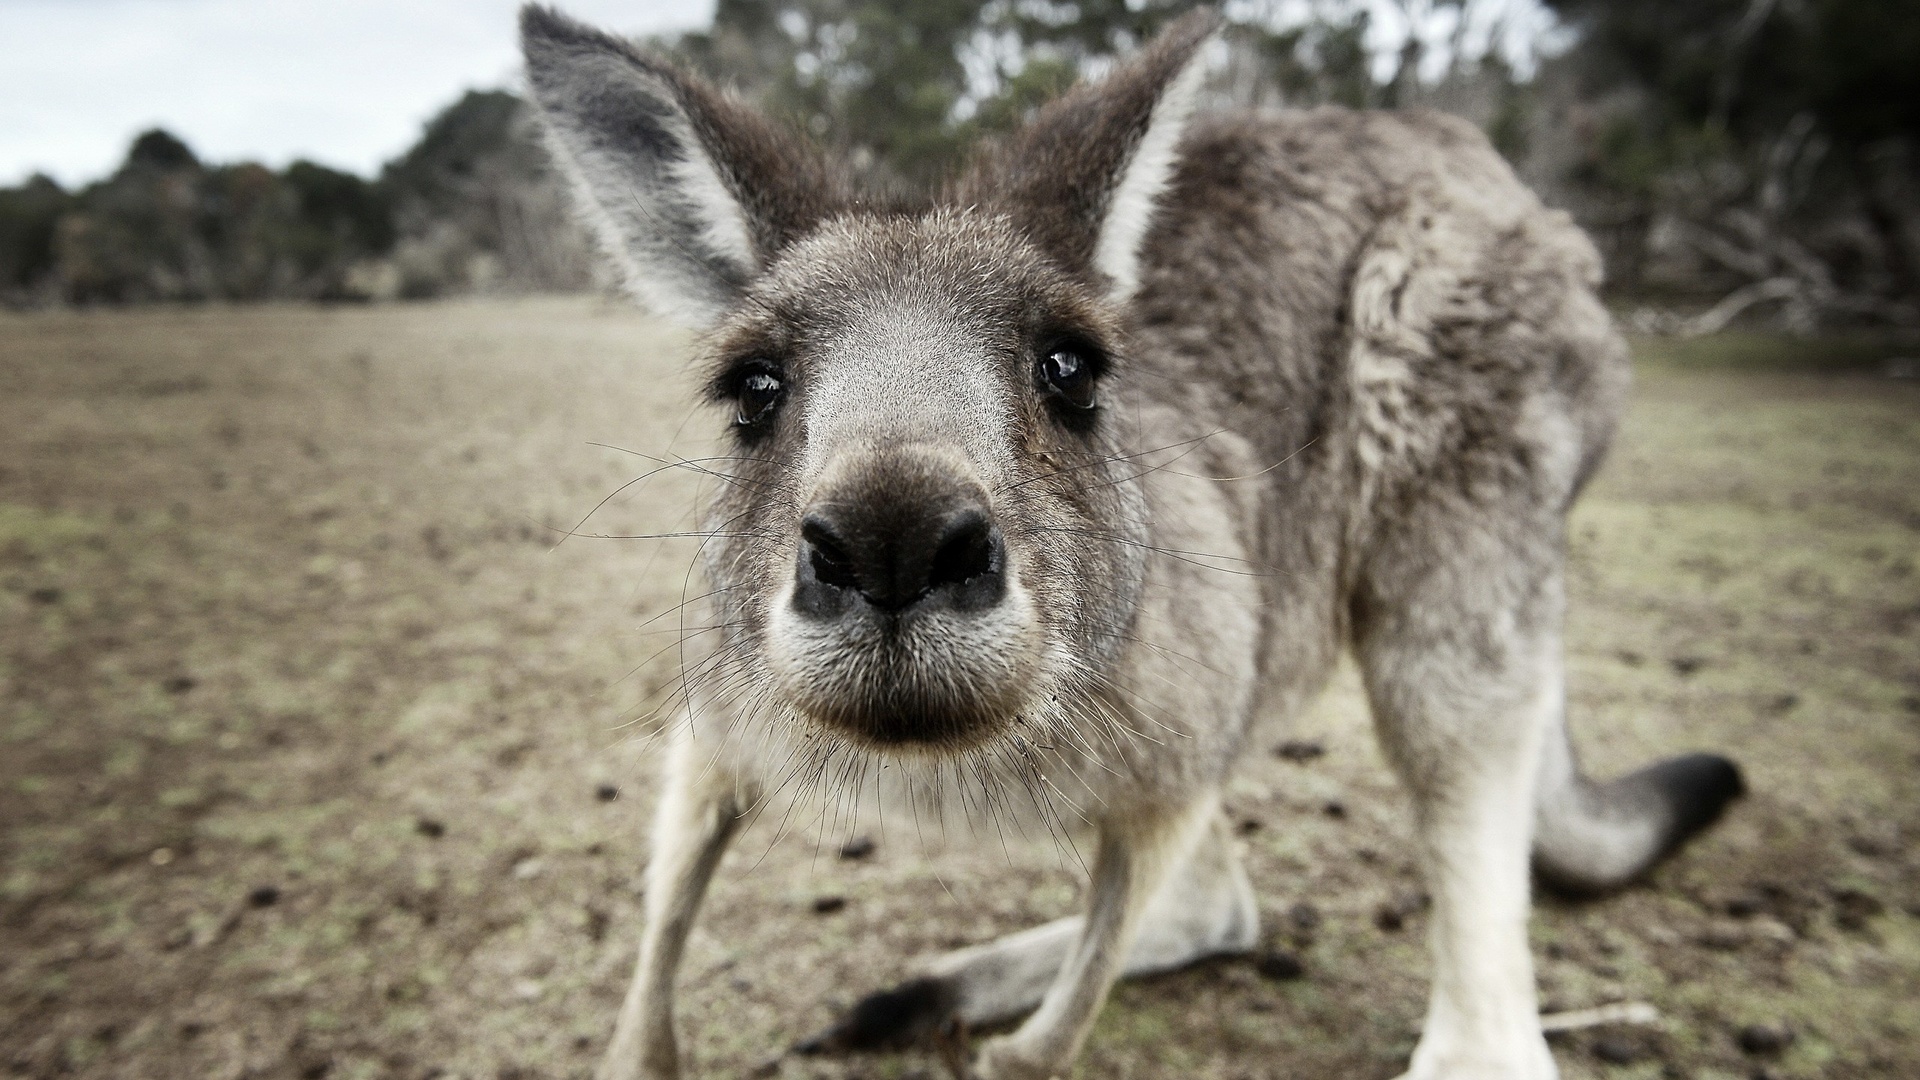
{"x": 318, "y": 759}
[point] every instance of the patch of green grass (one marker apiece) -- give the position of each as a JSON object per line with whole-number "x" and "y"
{"x": 1749, "y": 350}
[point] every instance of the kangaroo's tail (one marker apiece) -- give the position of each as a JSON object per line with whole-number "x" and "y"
{"x": 1592, "y": 837}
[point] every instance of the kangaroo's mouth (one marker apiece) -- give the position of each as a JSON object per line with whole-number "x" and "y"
{"x": 932, "y": 680}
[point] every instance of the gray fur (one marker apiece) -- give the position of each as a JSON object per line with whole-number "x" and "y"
{"x": 1356, "y": 375}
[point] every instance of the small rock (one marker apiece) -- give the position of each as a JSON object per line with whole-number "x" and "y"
{"x": 430, "y": 828}
{"x": 1304, "y": 918}
{"x": 1279, "y": 965}
{"x": 1853, "y": 908}
{"x": 606, "y": 792}
{"x": 527, "y": 869}
{"x": 1335, "y": 809}
{"x": 161, "y": 856}
{"x": 1871, "y": 847}
{"x": 264, "y": 896}
{"x": 1765, "y": 1040}
{"x": 1300, "y": 750}
{"x": 1247, "y": 826}
{"x": 827, "y": 905}
{"x": 857, "y": 848}
{"x": 1392, "y": 916}
{"x": 1618, "y": 1049}
{"x": 179, "y": 684}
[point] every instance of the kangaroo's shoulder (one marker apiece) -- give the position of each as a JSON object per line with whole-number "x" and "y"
{"x": 1397, "y": 255}
{"x": 1327, "y": 177}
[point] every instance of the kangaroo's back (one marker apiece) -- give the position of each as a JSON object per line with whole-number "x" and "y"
{"x": 1332, "y": 282}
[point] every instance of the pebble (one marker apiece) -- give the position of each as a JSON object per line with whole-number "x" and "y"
{"x": 1765, "y": 1040}
{"x": 1279, "y": 965}
{"x": 857, "y": 848}
{"x": 1618, "y": 1050}
{"x": 430, "y": 828}
{"x": 1392, "y": 916}
{"x": 827, "y": 905}
{"x": 264, "y": 896}
{"x": 1299, "y": 750}
{"x": 1853, "y": 908}
{"x": 606, "y": 792}
{"x": 1304, "y": 917}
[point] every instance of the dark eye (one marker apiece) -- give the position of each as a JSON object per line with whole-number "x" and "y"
{"x": 1067, "y": 373}
{"x": 760, "y": 391}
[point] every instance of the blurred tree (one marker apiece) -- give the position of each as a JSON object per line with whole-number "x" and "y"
{"x": 474, "y": 205}
{"x": 903, "y": 87}
{"x": 1767, "y": 146}
{"x": 29, "y": 215}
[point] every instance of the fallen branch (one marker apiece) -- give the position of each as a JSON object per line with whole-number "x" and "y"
{"x": 1638, "y": 1013}
{"x": 1719, "y": 315}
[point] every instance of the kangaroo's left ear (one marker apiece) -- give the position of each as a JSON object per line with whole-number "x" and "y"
{"x": 1084, "y": 177}
{"x": 691, "y": 193}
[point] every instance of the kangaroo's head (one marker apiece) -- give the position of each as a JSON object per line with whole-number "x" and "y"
{"x": 928, "y": 535}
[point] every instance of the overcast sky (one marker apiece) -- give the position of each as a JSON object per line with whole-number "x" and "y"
{"x": 344, "y": 82}
{"x": 349, "y": 83}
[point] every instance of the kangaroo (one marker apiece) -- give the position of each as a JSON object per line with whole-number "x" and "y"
{"x": 1056, "y": 479}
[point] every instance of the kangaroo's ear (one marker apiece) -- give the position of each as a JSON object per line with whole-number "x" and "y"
{"x": 690, "y": 192}
{"x": 1085, "y": 175}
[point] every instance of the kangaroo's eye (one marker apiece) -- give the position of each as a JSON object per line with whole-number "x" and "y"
{"x": 1067, "y": 374}
{"x": 759, "y": 392}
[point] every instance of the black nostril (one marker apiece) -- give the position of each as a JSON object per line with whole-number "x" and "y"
{"x": 832, "y": 563}
{"x": 969, "y": 547}
{"x": 896, "y": 553}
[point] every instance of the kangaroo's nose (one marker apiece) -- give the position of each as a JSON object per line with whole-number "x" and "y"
{"x": 898, "y": 553}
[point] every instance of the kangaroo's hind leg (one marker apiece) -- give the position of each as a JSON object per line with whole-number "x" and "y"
{"x": 1204, "y": 907}
{"x": 1457, "y": 628}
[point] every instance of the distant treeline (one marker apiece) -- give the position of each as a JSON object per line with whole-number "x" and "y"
{"x": 468, "y": 208}
{"x": 1756, "y": 158}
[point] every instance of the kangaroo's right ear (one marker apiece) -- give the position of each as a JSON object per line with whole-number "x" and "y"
{"x": 691, "y": 193}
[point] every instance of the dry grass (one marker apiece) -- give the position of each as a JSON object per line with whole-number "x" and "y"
{"x": 306, "y": 729}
